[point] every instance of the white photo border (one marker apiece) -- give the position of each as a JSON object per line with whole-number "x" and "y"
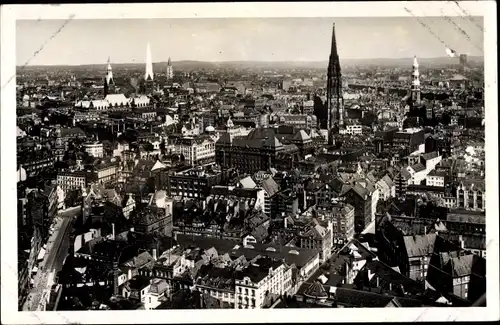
{"x": 11, "y": 13}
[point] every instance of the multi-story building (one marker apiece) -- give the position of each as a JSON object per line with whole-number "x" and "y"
{"x": 196, "y": 151}
{"x": 218, "y": 283}
{"x": 260, "y": 150}
{"x": 196, "y": 182}
{"x": 284, "y": 202}
{"x": 159, "y": 289}
{"x": 73, "y": 180}
{"x": 36, "y": 162}
{"x": 459, "y": 273}
{"x": 361, "y": 199}
{"x": 94, "y": 149}
{"x": 153, "y": 220}
{"x": 262, "y": 278}
{"x": 319, "y": 238}
{"x": 352, "y": 129}
{"x": 270, "y": 188}
{"x": 411, "y": 140}
{"x": 304, "y": 121}
{"x": 435, "y": 178}
{"x": 341, "y": 216}
{"x": 55, "y": 196}
{"x": 471, "y": 195}
{"x": 106, "y": 173}
{"x": 401, "y": 182}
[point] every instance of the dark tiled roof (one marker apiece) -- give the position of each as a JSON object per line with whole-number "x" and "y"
{"x": 466, "y": 217}
{"x": 270, "y": 186}
{"x": 420, "y": 245}
{"x": 418, "y": 167}
{"x": 430, "y": 155}
{"x": 316, "y": 290}
{"x": 358, "y": 298}
{"x": 387, "y": 274}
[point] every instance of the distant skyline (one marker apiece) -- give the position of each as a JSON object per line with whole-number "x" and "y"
{"x": 83, "y": 42}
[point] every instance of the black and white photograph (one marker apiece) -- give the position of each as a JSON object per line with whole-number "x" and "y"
{"x": 236, "y": 159}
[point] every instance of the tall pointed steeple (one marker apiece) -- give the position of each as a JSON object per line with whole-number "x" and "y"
{"x": 109, "y": 82}
{"x": 109, "y": 73}
{"x": 149, "y": 65}
{"x": 334, "y": 86}
{"x": 415, "y": 83}
{"x": 170, "y": 69}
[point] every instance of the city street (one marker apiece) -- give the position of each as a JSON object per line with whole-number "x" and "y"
{"x": 57, "y": 249}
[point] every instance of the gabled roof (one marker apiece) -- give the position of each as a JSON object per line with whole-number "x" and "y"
{"x": 418, "y": 168}
{"x": 158, "y": 286}
{"x": 117, "y": 99}
{"x": 272, "y": 142}
{"x": 462, "y": 265}
{"x": 301, "y": 136}
{"x": 158, "y": 165}
{"x": 419, "y": 245}
{"x": 139, "y": 260}
{"x": 270, "y": 186}
{"x": 316, "y": 291}
{"x": 430, "y": 155}
{"x": 360, "y": 191}
{"x": 405, "y": 174}
{"x": 247, "y": 182}
{"x": 388, "y": 180}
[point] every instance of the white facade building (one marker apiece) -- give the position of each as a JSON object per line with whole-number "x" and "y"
{"x": 94, "y": 149}
{"x": 255, "y": 283}
{"x": 353, "y": 129}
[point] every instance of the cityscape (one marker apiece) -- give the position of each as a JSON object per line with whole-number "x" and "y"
{"x": 164, "y": 182}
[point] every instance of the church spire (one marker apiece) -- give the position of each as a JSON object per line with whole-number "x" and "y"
{"x": 109, "y": 73}
{"x": 334, "y": 86}
{"x": 108, "y": 80}
{"x": 170, "y": 69}
{"x": 149, "y": 64}
{"x": 415, "y": 82}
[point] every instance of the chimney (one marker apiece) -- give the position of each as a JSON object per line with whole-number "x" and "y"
{"x": 286, "y": 223}
{"x": 370, "y": 275}
{"x": 113, "y": 231}
{"x": 425, "y": 230}
{"x": 155, "y": 254}
{"x": 115, "y": 278}
{"x": 129, "y": 274}
{"x": 461, "y": 240}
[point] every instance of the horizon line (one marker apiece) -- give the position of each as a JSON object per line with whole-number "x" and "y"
{"x": 242, "y": 61}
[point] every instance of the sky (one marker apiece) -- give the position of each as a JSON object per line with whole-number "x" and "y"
{"x": 241, "y": 39}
